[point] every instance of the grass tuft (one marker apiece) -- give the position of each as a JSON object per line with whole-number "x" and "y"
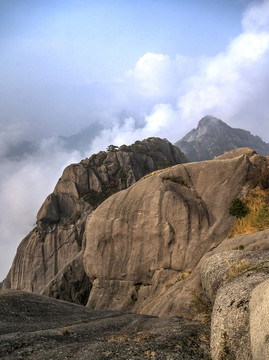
{"x": 237, "y": 269}
{"x": 258, "y": 217}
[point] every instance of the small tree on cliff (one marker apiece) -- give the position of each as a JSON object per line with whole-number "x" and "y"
{"x": 112, "y": 148}
{"x": 238, "y": 208}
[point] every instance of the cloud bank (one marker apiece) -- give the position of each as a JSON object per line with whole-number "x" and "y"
{"x": 173, "y": 94}
{"x": 24, "y": 185}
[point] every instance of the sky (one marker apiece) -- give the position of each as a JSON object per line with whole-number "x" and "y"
{"x": 138, "y": 68}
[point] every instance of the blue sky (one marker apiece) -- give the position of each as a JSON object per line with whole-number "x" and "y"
{"x": 139, "y": 67}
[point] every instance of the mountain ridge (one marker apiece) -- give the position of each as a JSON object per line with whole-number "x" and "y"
{"x": 213, "y": 137}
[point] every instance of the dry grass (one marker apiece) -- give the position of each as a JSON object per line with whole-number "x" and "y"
{"x": 238, "y": 268}
{"x": 182, "y": 276}
{"x": 65, "y": 332}
{"x": 202, "y": 305}
{"x": 258, "y": 217}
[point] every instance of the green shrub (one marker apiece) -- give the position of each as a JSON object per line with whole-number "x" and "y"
{"x": 238, "y": 208}
{"x": 112, "y": 148}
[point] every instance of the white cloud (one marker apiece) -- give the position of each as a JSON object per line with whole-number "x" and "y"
{"x": 24, "y": 185}
{"x": 256, "y": 17}
{"x": 11, "y": 135}
{"x": 230, "y": 81}
{"x": 224, "y": 85}
{"x": 159, "y": 76}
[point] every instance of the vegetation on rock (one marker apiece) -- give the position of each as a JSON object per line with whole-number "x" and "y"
{"x": 257, "y": 218}
{"x": 238, "y": 208}
{"x": 95, "y": 198}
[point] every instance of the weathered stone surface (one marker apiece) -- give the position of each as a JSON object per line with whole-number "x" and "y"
{"x": 49, "y": 213}
{"x": 259, "y": 321}
{"x": 141, "y": 241}
{"x": 49, "y": 250}
{"x": 237, "y": 152}
{"x": 255, "y": 241}
{"x": 40, "y": 328}
{"x": 40, "y": 256}
{"x": 231, "y": 314}
{"x": 230, "y": 329}
{"x": 215, "y": 269}
{"x": 228, "y": 279}
{"x": 71, "y": 283}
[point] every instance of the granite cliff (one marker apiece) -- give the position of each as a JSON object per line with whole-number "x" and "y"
{"x": 145, "y": 245}
{"x": 49, "y": 259}
{"x": 160, "y": 246}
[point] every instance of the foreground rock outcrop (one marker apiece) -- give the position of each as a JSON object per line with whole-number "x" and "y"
{"x": 144, "y": 244}
{"x": 40, "y": 328}
{"x": 160, "y": 246}
{"x": 46, "y": 258}
{"x": 233, "y": 281}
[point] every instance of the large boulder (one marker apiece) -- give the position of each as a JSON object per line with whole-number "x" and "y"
{"x": 143, "y": 242}
{"x": 230, "y": 280}
{"x": 230, "y": 327}
{"x": 47, "y": 256}
{"x": 217, "y": 269}
{"x": 259, "y": 321}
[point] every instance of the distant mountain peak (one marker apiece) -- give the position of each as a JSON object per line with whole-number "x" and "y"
{"x": 213, "y": 137}
{"x": 209, "y": 120}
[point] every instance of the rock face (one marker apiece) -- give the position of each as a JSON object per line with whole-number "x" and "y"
{"x": 143, "y": 242}
{"x": 229, "y": 279}
{"x": 71, "y": 283}
{"x": 158, "y": 247}
{"x": 213, "y": 137}
{"x": 259, "y": 321}
{"x": 46, "y": 258}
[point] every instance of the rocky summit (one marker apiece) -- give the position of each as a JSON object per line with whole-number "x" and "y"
{"x": 49, "y": 259}
{"x": 213, "y": 137}
{"x": 144, "y": 245}
{"x": 148, "y": 242}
